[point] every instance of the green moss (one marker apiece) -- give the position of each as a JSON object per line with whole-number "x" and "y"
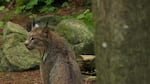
{"x": 17, "y": 56}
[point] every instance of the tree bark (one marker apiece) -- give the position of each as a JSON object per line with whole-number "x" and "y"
{"x": 122, "y": 41}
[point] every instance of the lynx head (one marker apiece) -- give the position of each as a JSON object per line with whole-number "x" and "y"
{"x": 37, "y": 37}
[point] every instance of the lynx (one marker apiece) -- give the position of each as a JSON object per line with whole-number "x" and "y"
{"x": 58, "y": 65}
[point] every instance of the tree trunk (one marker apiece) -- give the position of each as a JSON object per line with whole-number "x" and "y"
{"x": 122, "y": 41}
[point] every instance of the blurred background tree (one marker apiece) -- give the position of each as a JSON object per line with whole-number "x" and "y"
{"x": 122, "y": 41}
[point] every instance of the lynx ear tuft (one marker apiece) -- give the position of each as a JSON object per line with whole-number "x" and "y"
{"x": 34, "y": 24}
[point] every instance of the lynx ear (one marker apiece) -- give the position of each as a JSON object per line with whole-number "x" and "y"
{"x": 46, "y": 30}
{"x": 49, "y": 27}
{"x": 34, "y": 24}
{"x": 46, "y": 26}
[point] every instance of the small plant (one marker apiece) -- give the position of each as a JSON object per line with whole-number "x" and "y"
{"x": 31, "y": 16}
{"x": 7, "y": 16}
{"x": 65, "y": 4}
{"x": 23, "y": 5}
{"x": 86, "y": 16}
{"x": 34, "y": 5}
{"x": 47, "y": 9}
{"x": 48, "y": 6}
{"x": 88, "y": 2}
{"x": 39, "y": 5}
{"x": 1, "y": 23}
{"x": 2, "y": 2}
{"x": 2, "y": 8}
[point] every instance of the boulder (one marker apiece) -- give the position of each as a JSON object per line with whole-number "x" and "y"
{"x": 2, "y": 59}
{"x": 1, "y": 40}
{"x": 78, "y": 35}
{"x": 16, "y": 56}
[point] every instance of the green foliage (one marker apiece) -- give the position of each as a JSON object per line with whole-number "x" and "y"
{"x": 7, "y": 16}
{"x": 31, "y": 16}
{"x": 65, "y": 4}
{"x": 20, "y": 9}
{"x": 39, "y": 5}
{"x": 88, "y": 2}
{"x": 1, "y": 23}
{"x": 47, "y": 9}
{"x": 34, "y": 5}
{"x": 7, "y": 0}
{"x": 86, "y": 16}
{"x": 48, "y": 2}
{"x": 2, "y": 8}
{"x": 4, "y": 1}
{"x": 31, "y": 4}
{"x": 23, "y": 5}
{"x": 2, "y": 4}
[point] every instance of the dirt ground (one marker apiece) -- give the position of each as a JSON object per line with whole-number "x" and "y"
{"x": 26, "y": 77}
{"x": 29, "y": 77}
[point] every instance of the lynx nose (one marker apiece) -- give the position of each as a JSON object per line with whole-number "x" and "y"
{"x": 26, "y": 43}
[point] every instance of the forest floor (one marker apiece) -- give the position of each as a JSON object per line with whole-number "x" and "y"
{"x": 26, "y": 77}
{"x": 31, "y": 76}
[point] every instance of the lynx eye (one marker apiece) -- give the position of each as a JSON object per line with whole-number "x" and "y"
{"x": 31, "y": 38}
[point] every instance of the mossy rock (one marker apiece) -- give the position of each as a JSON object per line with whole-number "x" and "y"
{"x": 1, "y": 40}
{"x": 78, "y": 35}
{"x": 16, "y": 56}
